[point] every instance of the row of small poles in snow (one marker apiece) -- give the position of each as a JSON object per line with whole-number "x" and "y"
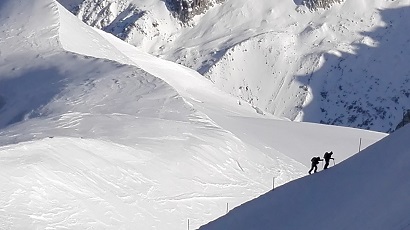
{"x": 273, "y": 181}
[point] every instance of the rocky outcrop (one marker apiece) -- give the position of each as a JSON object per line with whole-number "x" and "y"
{"x": 320, "y": 4}
{"x": 405, "y": 121}
{"x": 102, "y": 13}
{"x": 122, "y": 18}
{"x": 185, "y": 10}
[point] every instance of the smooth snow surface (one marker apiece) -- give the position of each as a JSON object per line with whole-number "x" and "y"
{"x": 371, "y": 190}
{"x": 96, "y": 134}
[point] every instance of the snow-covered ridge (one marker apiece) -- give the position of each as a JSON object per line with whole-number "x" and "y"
{"x": 89, "y": 140}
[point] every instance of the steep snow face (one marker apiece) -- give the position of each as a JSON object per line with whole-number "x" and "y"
{"x": 342, "y": 65}
{"x": 368, "y": 191}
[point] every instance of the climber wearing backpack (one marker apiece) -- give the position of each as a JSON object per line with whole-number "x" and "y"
{"x": 315, "y": 161}
{"x": 327, "y": 157}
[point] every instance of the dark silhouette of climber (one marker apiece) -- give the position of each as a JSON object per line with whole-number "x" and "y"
{"x": 315, "y": 161}
{"x": 327, "y": 157}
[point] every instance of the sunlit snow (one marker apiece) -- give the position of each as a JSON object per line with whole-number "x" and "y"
{"x": 95, "y": 133}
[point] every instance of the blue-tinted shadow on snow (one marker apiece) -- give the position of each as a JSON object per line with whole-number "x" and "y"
{"x": 366, "y": 88}
{"x": 24, "y": 95}
{"x": 120, "y": 27}
{"x": 298, "y": 2}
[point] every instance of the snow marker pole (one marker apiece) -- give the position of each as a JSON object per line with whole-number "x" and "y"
{"x": 188, "y": 224}
{"x": 227, "y": 207}
{"x": 273, "y": 183}
{"x": 360, "y": 144}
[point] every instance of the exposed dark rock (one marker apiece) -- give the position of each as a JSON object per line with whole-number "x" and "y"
{"x": 320, "y": 4}
{"x": 185, "y": 10}
{"x": 405, "y": 120}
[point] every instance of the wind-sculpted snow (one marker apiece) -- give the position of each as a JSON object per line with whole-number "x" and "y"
{"x": 83, "y": 183}
{"x": 94, "y": 143}
{"x": 17, "y": 26}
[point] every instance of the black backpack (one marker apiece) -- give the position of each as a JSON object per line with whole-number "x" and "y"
{"x": 315, "y": 160}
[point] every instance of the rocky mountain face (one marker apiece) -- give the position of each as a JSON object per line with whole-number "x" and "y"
{"x": 151, "y": 25}
{"x": 118, "y": 17}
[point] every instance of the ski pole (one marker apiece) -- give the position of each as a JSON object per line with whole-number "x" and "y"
{"x": 333, "y": 162}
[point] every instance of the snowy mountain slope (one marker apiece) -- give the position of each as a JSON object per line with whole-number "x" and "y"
{"x": 76, "y": 183}
{"x": 344, "y": 65}
{"x": 94, "y": 143}
{"x": 95, "y": 134}
{"x": 368, "y": 191}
